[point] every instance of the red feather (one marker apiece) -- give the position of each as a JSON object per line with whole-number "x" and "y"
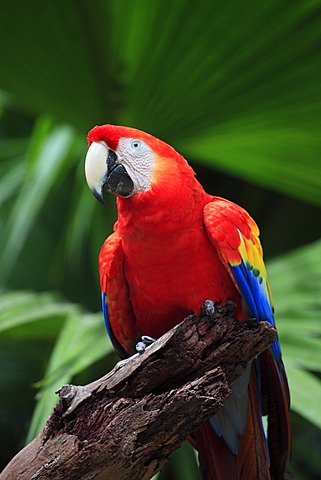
{"x": 174, "y": 247}
{"x": 216, "y": 460}
{"x": 252, "y": 458}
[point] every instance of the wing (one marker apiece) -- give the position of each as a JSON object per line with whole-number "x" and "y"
{"x": 116, "y": 305}
{"x": 235, "y": 236}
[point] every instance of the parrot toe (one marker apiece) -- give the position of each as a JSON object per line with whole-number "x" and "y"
{"x": 208, "y": 309}
{"x": 145, "y": 342}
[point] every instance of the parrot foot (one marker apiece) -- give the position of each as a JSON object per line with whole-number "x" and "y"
{"x": 208, "y": 309}
{"x": 145, "y": 342}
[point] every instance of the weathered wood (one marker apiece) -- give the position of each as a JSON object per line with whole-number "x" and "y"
{"x": 124, "y": 425}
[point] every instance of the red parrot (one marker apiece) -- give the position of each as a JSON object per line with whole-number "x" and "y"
{"x": 174, "y": 246}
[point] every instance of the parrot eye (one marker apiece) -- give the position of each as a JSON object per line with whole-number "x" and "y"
{"x": 137, "y": 145}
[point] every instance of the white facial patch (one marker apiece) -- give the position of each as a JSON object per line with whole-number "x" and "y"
{"x": 138, "y": 159}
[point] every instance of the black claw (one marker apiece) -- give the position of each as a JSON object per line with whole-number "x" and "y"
{"x": 208, "y": 309}
{"x": 144, "y": 343}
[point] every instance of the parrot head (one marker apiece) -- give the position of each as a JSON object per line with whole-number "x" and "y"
{"x": 126, "y": 161}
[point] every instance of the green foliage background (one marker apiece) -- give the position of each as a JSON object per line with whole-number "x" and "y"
{"x": 234, "y": 86}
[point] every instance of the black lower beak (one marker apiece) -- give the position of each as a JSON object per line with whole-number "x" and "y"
{"x": 117, "y": 180}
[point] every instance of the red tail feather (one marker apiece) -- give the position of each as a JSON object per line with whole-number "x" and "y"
{"x": 276, "y": 399}
{"x": 217, "y": 462}
{"x": 252, "y": 460}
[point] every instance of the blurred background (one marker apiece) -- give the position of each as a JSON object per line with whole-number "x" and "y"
{"x": 235, "y": 87}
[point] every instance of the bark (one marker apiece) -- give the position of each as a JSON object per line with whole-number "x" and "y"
{"x": 124, "y": 425}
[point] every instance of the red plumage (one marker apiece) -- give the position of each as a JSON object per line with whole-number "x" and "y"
{"x": 175, "y": 246}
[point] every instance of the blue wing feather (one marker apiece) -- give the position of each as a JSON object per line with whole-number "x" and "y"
{"x": 254, "y": 292}
{"x": 105, "y": 312}
{"x": 121, "y": 352}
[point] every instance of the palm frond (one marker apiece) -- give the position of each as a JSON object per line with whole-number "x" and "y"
{"x": 236, "y": 88}
{"x": 296, "y": 285}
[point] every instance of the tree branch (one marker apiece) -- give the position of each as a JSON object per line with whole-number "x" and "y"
{"x": 125, "y": 424}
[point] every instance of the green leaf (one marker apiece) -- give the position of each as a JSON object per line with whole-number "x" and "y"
{"x": 51, "y": 150}
{"x": 29, "y": 314}
{"x": 296, "y": 284}
{"x": 305, "y": 394}
{"x": 282, "y": 157}
{"x": 82, "y": 341}
{"x": 183, "y": 463}
{"x": 237, "y": 89}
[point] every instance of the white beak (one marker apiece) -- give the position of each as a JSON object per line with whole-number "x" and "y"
{"x": 96, "y": 167}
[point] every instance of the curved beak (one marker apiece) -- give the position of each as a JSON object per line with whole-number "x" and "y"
{"x": 104, "y": 171}
{"x": 96, "y": 169}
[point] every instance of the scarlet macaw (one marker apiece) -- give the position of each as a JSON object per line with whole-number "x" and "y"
{"x": 173, "y": 247}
